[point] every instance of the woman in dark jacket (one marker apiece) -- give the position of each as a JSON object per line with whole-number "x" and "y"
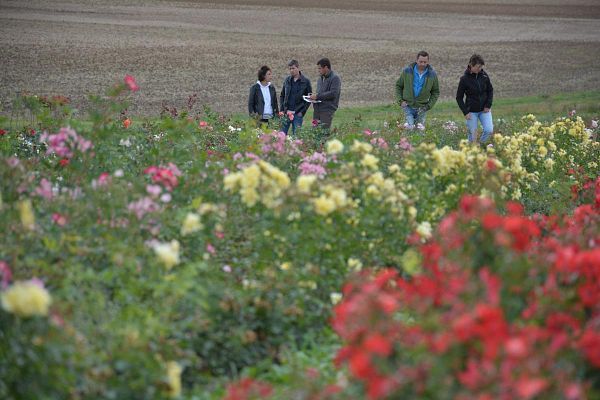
{"x": 262, "y": 101}
{"x": 476, "y": 86}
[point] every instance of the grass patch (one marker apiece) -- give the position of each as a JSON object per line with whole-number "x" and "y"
{"x": 545, "y": 107}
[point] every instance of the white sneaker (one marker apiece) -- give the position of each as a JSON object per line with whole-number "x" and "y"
{"x": 420, "y": 127}
{"x": 407, "y": 126}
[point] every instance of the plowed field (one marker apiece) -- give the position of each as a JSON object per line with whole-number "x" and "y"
{"x": 175, "y": 49}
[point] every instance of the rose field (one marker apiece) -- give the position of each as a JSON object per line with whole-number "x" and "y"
{"x": 199, "y": 256}
{"x": 157, "y": 243}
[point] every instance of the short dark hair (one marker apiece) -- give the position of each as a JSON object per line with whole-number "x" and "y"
{"x": 293, "y": 63}
{"x": 262, "y": 72}
{"x": 422, "y": 53}
{"x": 476, "y": 59}
{"x": 324, "y": 62}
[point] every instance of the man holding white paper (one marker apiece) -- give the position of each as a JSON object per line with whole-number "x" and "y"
{"x": 327, "y": 98}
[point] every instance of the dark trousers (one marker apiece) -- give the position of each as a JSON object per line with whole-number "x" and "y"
{"x": 324, "y": 117}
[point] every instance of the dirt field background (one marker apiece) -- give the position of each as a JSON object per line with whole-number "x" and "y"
{"x": 175, "y": 49}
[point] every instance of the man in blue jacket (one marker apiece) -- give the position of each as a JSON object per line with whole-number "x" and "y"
{"x": 293, "y": 106}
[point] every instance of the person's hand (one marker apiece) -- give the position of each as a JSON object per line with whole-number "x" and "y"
{"x": 486, "y": 109}
{"x": 280, "y": 113}
{"x": 468, "y": 116}
{"x": 403, "y": 104}
{"x": 312, "y": 96}
{"x": 299, "y": 114}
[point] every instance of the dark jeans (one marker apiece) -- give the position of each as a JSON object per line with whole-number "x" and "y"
{"x": 295, "y": 124}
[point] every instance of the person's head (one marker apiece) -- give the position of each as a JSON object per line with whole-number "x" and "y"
{"x": 422, "y": 60}
{"x": 294, "y": 68}
{"x": 265, "y": 74}
{"x": 476, "y": 63}
{"x": 324, "y": 66}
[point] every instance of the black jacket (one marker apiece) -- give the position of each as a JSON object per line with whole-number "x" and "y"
{"x": 300, "y": 106}
{"x": 256, "y": 102}
{"x": 478, "y": 90}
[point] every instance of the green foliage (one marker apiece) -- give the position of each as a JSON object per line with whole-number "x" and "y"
{"x": 246, "y": 286}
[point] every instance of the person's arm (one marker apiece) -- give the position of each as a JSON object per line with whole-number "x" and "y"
{"x": 274, "y": 101}
{"x": 334, "y": 89}
{"x": 490, "y": 95}
{"x": 435, "y": 93}
{"x": 460, "y": 97}
{"x": 282, "y": 97}
{"x": 305, "y": 105}
{"x": 251, "y": 97}
{"x": 400, "y": 89}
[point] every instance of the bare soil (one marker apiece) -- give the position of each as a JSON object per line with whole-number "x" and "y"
{"x": 175, "y": 49}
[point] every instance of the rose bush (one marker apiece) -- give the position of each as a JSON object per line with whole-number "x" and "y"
{"x": 501, "y": 306}
{"x": 185, "y": 249}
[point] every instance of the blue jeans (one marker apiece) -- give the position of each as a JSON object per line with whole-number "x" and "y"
{"x": 414, "y": 116}
{"x": 486, "y": 123}
{"x": 296, "y": 124}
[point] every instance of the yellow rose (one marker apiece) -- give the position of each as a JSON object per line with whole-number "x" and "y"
{"x": 324, "y": 205}
{"x": 285, "y": 266}
{"x": 412, "y": 211}
{"x": 372, "y": 190}
{"x": 251, "y": 176}
{"x": 304, "y": 182}
{"x": 424, "y": 230}
{"x": 282, "y": 179}
{"x": 360, "y": 147}
{"x": 191, "y": 224}
{"x": 27, "y": 215}
{"x": 26, "y": 299}
{"x": 376, "y": 179}
{"x": 369, "y": 161}
{"x": 355, "y": 264}
{"x": 231, "y": 181}
{"x": 174, "y": 378}
{"x": 335, "y": 297}
{"x": 339, "y": 197}
{"x": 168, "y": 253}
{"x": 249, "y": 196}
{"x": 334, "y": 147}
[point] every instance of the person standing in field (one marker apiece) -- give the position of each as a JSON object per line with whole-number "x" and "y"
{"x": 262, "y": 101}
{"x": 327, "y": 98}
{"x": 476, "y": 86}
{"x": 417, "y": 90}
{"x": 293, "y": 106}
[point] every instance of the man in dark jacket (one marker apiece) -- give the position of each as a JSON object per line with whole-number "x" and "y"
{"x": 417, "y": 90}
{"x": 475, "y": 84}
{"x": 293, "y": 106}
{"x": 327, "y": 98}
